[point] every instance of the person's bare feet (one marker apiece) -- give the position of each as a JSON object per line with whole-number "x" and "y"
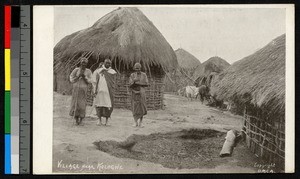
{"x": 135, "y": 125}
{"x": 80, "y": 121}
{"x": 140, "y": 125}
{"x": 77, "y": 121}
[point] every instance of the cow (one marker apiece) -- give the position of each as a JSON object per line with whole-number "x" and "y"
{"x": 191, "y": 92}
{"x": 203, "y": 92}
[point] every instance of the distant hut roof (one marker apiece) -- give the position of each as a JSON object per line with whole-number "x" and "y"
{"x": 124, "y": 34}
{"x": 186, "y": 60}
{"x": 212, "y": 66}
{"x": 258, "y": 78}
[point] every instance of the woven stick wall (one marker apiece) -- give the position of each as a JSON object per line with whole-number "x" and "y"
{"x": 154, "y": 93}
{"x": 265, "y": 140}
{"x": 63, "y": 84}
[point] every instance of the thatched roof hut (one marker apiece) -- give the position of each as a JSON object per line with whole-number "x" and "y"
{"x": 258, "y": 79}
{"x": 126, "y": 36}
{"x": 208, "y": 69}
{"x": 187, "y": 63}
{"x": 256, "y": 85}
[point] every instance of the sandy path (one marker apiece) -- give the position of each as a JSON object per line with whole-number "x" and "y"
{"x": 73, "y": 149}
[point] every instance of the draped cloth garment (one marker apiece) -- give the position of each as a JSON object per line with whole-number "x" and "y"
{"x": 103, "y": 84}
{"x": 138, "y": 94}
{"x": 79, "y": 93}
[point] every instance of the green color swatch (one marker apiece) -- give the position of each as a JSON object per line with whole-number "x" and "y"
{"x": 7, "y": 112}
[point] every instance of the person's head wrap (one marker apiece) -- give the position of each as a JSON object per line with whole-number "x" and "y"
{"x": 107, "y": 61}
{"x": 83, "y": 60}
{"x": 137, "y": 66}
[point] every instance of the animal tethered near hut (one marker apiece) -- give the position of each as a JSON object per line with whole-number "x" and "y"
{"x": 191, "y": 92}
{"x": 125, "y": 36}
{"x": 203, "y": 93}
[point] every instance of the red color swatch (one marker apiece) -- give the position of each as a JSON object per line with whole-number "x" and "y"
{"x": 7, "y": 26}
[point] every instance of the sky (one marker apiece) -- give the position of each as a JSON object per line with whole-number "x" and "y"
{"x": 230, "y": 33}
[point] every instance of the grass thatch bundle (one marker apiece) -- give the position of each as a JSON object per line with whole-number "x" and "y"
{"x": 258, "y": 79}
{"x": 125, "y": 36}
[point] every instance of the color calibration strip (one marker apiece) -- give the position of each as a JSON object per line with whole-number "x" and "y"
{"x": 12, "y": 88}
{"x": 7, "y": 99}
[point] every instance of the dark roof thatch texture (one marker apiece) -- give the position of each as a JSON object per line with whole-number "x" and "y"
{"x": 212, "y": 65}
{"x": 258, "y": 79}
{"x": 125, "y": 35}
{"x": 186, "y": 60}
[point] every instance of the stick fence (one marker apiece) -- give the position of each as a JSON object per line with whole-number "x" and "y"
{"x": 265, "y": 140}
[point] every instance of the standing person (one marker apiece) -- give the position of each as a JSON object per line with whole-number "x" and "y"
{"x": 138, "y": 81}
{"x": 103, "y": 83}
{"x": 80, "y": 77}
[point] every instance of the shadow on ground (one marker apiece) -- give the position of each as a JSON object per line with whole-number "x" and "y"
{"x": 193, "y": 148}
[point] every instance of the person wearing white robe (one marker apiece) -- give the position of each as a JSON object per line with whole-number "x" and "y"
{"x": 103, "y": 84}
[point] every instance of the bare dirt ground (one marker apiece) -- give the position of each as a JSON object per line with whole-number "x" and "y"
{"x": 74, "y": 149}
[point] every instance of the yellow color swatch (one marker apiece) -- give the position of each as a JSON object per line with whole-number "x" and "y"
{"x": 7, "y": 69}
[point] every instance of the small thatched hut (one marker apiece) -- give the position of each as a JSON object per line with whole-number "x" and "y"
{"x": 256, "y": 84}
{"x": 125, "y": 36}
{"x": 187, "y": 63}
{"x": 203, "y": 74}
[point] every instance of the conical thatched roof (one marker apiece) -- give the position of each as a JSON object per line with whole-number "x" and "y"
{"x": 124, "y": 35}
{"x": 186, "y": 60}
{"x": 258, "y": 79}
{"x": 212, "y": 65}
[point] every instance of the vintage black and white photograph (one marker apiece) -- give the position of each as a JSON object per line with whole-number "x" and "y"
{"x": 169, "y": 89}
